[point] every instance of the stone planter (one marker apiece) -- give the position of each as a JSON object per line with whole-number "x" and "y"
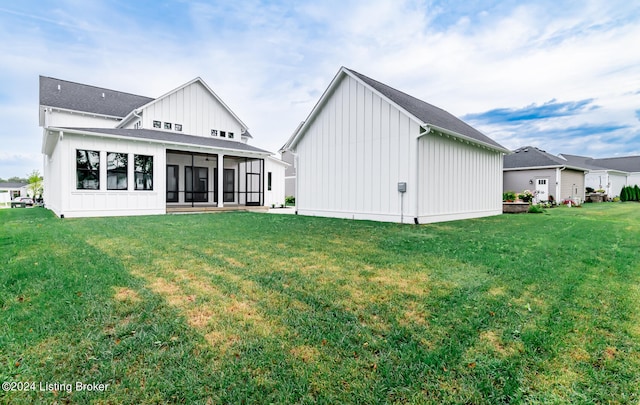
{"x": 515, "y": 207}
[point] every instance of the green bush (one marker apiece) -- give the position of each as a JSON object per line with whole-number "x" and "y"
{"x": 636, "y": 193}
{"x": 508, "y": 196}
{"x": 624, "y": 194}
{"x": 535, "y": 209}
{"x": 290, "y": 200}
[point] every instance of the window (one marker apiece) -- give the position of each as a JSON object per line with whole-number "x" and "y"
{"x": 157, "y": 124}
{"x": 231, "y": 135}
{"x": 223, "y": 134}
{"x": 143, "y": 172}
{"x": 167, "y": 125}
{"x": 87, "y": 169}
{"x": 117, "y": 164}
{"x": 178, "y": 127}
{"x": 196, "y": 186}
{"x": 214, "y": 132}
{"x": 269, "y": 181}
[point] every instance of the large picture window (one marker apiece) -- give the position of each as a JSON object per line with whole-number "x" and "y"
{"x": 143, "y": 172}
{"x": 87, "y": 169}
{"x": 117, "y": 164}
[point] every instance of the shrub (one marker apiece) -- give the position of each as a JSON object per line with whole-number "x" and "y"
{"x": 290, "y": 200}
{"x": 508, "y": 196}
{"x": 589, "y": 190}
{"x": 535, "y": 209}
{"x": 624, "y": 194}
{"x": 636, "y": 193}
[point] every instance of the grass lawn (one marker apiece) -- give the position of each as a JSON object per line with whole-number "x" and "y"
{"x": 258, "y": 308}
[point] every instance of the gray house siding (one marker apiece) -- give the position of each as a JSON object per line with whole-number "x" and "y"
{"x": 518, "y": 180}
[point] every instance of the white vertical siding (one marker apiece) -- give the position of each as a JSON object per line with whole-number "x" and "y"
{"x": 353, "y": 155}
{"x": 458, "y": 179}
{"x": 277, "y": 193}
{"x": 196, "y": 109}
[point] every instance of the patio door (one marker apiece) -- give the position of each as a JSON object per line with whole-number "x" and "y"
{"x": 229, "y": 185}
{"x": 196, "y": 184}
{"x": 542, "y": 187}
{"x": 172, "y": 183}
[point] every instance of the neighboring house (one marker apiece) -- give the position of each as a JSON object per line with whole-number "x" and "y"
{"x": 369, "y": 151}
{"x": 289, "y": 157}
{"x": 599, "y": 177}
{"x": 529, "y": 168}
{"x": 627, "y": 164}
{"x": 9, "y": 191}
{"x": 113, "y": 153}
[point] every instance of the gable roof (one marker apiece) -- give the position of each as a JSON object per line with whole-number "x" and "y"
{"x": 170, "y": 137}
{"x": 73, "y": 96}
{"x": 423, "y": 112}
{"x": 131, "y": 112}
{"x": 528, "y": 157}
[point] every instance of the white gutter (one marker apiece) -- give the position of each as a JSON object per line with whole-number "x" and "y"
{"x": 466, "y": 138}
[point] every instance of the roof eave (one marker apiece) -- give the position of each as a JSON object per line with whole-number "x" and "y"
{"x": 159, "y": 141}
{"x": 454, "y": 134}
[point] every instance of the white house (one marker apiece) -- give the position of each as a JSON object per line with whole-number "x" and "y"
{"x": 11, "y": 190}
{"x": 609, "y": 174}
{"x": 108, "y": 152}
{"x": 369, "y": 151}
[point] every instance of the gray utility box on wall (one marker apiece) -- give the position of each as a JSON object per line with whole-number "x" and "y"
{"x": 402, "y": 187}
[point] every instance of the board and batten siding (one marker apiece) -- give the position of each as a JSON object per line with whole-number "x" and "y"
{"x": 72, "y": 202}
{"x": 196, "y": 109}
{"x": 353, "y": 155}
{"x": 458, "y": 180}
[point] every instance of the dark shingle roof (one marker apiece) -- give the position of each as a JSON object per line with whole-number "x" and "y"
{"x": 12, "y": 185}
{"x": 625, "y": 164}
{"x": 426, "y": 112}
{"x": 583, "y": 161}
{"x": 529, "y": 156}
{"x": 174, "y": 137}
{"x": 85, "y": 98}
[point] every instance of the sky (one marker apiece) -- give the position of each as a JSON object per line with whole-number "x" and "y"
{"x": 563, "y": 76}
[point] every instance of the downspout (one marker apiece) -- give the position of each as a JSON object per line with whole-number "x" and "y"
{"x": 295, "y": 166}
{"x": 427, "y": 130}
{"x": 135, "y": 114}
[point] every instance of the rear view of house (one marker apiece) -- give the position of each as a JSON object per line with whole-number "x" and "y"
{"x": 369, "y": 151}
{"x": 109, "y": 152}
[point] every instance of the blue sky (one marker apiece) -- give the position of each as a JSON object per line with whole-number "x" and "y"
{"x": 560, "y": 75}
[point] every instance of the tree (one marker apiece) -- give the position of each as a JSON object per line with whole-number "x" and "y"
{"x": 34, "y": 184}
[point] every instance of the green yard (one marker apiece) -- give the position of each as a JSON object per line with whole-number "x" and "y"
{"x": 258, "y": 308}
